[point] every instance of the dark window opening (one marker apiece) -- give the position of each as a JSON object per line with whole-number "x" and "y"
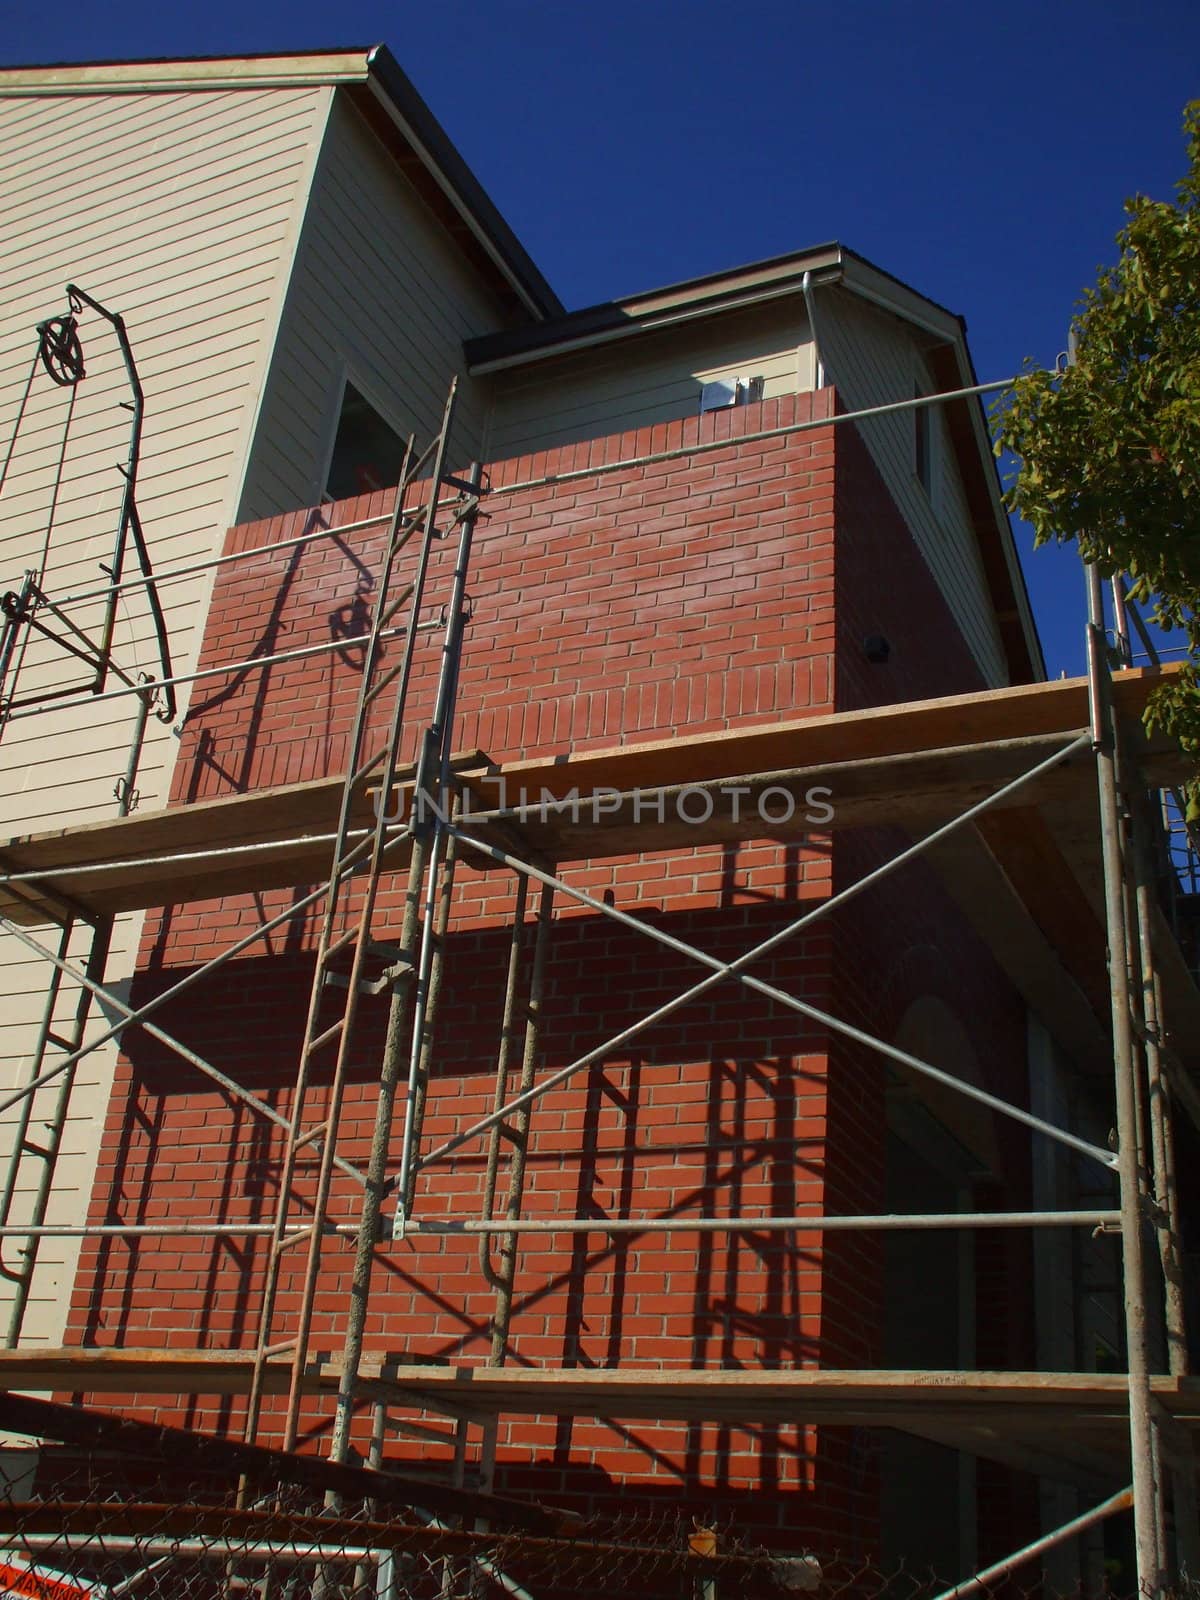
{"x": 368, "y": 454}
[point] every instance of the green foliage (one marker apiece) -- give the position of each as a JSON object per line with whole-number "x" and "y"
{"x": 1109, "y": 450}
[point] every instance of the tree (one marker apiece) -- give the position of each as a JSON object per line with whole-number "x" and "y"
{"x": 1109, "y": 449}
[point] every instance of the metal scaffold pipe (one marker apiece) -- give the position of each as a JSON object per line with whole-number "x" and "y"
{"x": 508, "y": 1044}
{"x": 367, "y": 1233}
{"x": 1002, "y": 1569}
{"x": 140, "y": 1017}
{"x": 250, "y": 664}
{"x": 1158, "y": 1099}
{"x": 915, "y": 1221}
{"x": 48, "y": 1147}
{"x": 1146, "y": 1500}
{"x": 918, "y": 402}
{"x": 348, "y": 858}
{"x": 503, "y": 1277}
{"x": 518, "y": 1133}
{"x": 439, "y": 1227}
{"x": 723, "y": 971}
{"x": 335, "y": 531}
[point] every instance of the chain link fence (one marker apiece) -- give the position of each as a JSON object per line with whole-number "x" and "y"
{"x": 136, "y": 1518}
{"x": 87, "y": 1539}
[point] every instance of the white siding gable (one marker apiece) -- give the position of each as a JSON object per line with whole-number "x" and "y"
{"x": 178, "y": 210}
{"x": 651, "y": 378}
{"x": 872, "y": 359}
{"x": 379, "y": 295}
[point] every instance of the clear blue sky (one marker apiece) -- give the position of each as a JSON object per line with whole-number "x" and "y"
{"x": 981, "y": 153}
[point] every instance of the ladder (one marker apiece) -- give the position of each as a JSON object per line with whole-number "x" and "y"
{"x": 38, "y": 1139}
{"x": 359, "y": 859}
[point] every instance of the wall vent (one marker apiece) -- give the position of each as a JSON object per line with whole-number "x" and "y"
{"x": 722, "y": 392}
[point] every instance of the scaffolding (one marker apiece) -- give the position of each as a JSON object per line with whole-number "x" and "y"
{"x": 957, "y": 761}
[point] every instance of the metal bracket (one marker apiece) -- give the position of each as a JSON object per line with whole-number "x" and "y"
{"x": 125, "y": 795}
{"x": 473, "y": 490}
{"x": 387, "y": 979}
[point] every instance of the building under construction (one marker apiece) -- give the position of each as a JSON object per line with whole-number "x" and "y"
{"x": 566, "y": 968}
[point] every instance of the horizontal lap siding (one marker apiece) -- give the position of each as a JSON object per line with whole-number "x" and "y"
{"x": 405, "y": 303}
{"x": 872, "y": 360}
{"x": 182, "y": 209}
{"x": 655, "y": 379}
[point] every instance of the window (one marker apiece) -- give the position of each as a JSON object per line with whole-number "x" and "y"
{"x": 368, "y": 453}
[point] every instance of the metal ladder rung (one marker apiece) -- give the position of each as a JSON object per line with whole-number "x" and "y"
{"x": 386, "y": 615}
{"x": 389, "y": 677}
{"x": 284, "y": 1349}
{"x": 367, "y": 767}
{"x": 294, "y": 1237}
{"x": 322, "y": 1039}
{"x": 28, "y": 1148}
{"x": 316, "y": 1132}
{"x": 352, "y": 856}
{"x": 340, "y": 943}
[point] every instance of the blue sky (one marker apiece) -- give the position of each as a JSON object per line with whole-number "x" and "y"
{"x": 979, "y": 153}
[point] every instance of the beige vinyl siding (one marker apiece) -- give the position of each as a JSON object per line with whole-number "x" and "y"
{"x": 653, "y": 378}
{"x": 872, "y": 359}
{"x": 405, "y": 302}
{"x": 181, "y": 211}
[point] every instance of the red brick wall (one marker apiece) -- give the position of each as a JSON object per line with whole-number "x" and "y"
{"x": 688, "y": 595}
{"x": 905, "y": 940}
{"x": 605, "y": 610}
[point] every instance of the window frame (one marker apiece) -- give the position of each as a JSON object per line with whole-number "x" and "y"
{"x": 349, "y": 376}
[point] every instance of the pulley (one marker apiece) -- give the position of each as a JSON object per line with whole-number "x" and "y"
{"x": 60, "y": 349}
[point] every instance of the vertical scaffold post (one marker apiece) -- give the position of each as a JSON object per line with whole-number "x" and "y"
{"x": 503, "y": 1277}
{"x": 1158, "y": 1101}
{"x": 1180, "y": 1458}
{"x": 1146, "y": 1502}
{"x": 518, "y": 1131}
{"x": 368, "y": 1222}
{"x": 433, "y": 891}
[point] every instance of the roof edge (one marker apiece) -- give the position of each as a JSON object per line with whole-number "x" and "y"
{"x": 431, "y": 142}
{"x": 293, "y": 70}
{"x": 370, "y": 69}
{"x": 688, "y": 301}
